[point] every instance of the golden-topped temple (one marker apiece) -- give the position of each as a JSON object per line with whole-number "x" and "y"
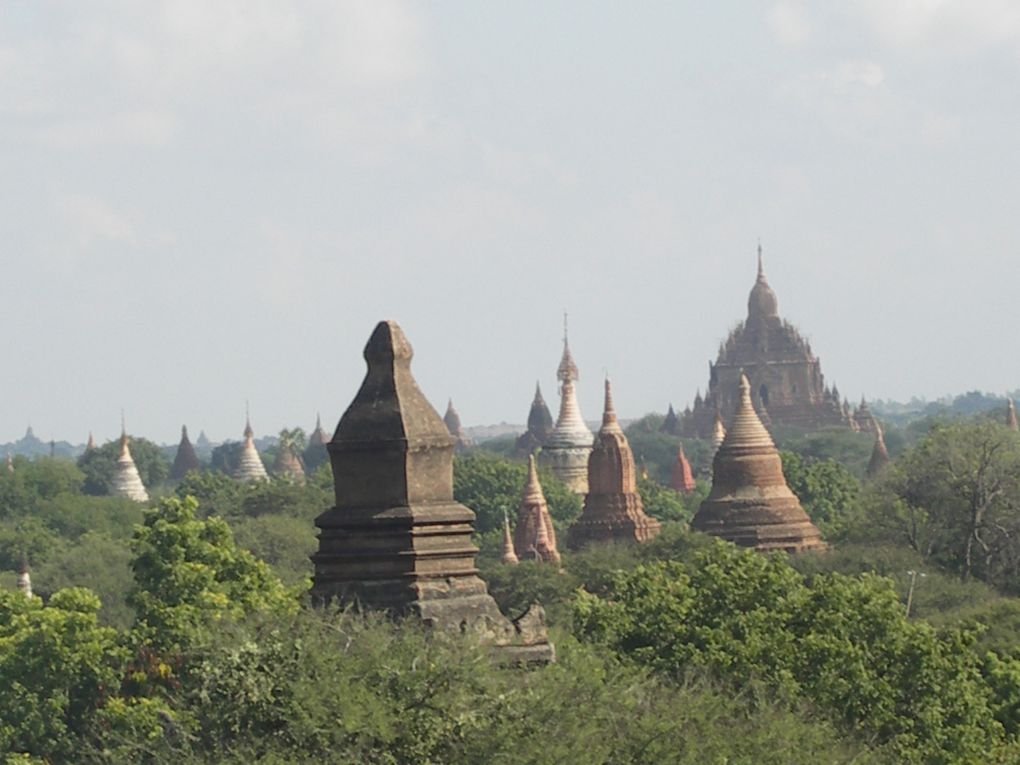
{"x": 787, "y": 385}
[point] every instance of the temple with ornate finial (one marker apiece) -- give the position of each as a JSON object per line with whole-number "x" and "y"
{"x": 568, "y": 446}
{"x": 396, "y": 539}
{"x": 249, "y": 464}
{"x": 185, "y": 461}
{"x": 535, "y": 536}
{"x": 786, "y": 378}
{"x": 750, "y": 503}
{"x": 452, "y": 421}
{"x": 682, "y": 478}
{"x": 1011, "y": 421}
{"x": 315, "y": 453}
{"x": 613, "y": 511}
{"x": 879, "y": 454}
{"x": 125, "y": 481}
{"x": 540, "y": 425}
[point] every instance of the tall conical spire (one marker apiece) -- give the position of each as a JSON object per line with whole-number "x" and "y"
{"x": 186, "y": 459}
{"x": 509, "y": 556}
{"x": 535, "y": 536}
{"x": 249, "y": 464}
{"x": 568, "y": 446}
{"x": 1011, "y": 421}
{"x": 126, "y": 482}
{"x": 540, "y": 425}
{"x": 879, "y": 454}
{"x": 613, "y": 509}
{"x": 750, "y": 503}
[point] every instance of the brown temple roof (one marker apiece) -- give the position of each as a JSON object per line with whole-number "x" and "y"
{"x": 750, "y": 503}
{"x": 185, "y": 460}
{"x": 613, "y": 510}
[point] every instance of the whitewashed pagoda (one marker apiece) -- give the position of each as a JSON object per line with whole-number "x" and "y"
{"x": 567, "y": 449}
{"x": 249, "y": 463}
{"x": 125, "y": 481}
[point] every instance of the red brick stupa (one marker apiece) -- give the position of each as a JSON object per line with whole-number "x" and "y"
{"x": 682, "y": 479}
{"x": 535, "y": 537}
{"x": 613, "y": 510}
{"x": 750, "y": 503}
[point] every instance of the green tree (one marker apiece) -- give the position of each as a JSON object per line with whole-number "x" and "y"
{"x": 826, "y": 489}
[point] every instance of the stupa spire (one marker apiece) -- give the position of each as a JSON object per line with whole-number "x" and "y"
{"x": 568, "y": 446}
{"x": 126, "y": 482}
{"x": 535, "y": 535}
{"x": 750, "y": 503}
{"x": 509, "y": 555}
{"x": 879, "y": 454}
{"x": 613, "y": 509}
{"x": 682, "y": 478}
{"x": 249, "y": 464}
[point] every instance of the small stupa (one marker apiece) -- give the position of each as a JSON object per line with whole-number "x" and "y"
{"x": 864, "y": 419}
{"x": 125, "y": 481}
{"x": 879, "y": 454}
{"x": 682, "y": 478}
{"x": 540, "y": 425}
{"x": 1011, "y": 421}
{"x": 249, "y": 463}
{"x": 90, "y": 445}
{"x": 508, "y": 556}
{"x": 24, "y": 577}
{"x": 185, "y": 460}
{"x": 670, "y": 422}
{"x": 750, "y": 503}
{"x": 568, "y": 446}
{"x": 535, "y": 536}
{"x": 613, "y": 510}
{"x": 315, "y": 453}
{"x": 397, "y": 540}
{"x": 452, "y": 422}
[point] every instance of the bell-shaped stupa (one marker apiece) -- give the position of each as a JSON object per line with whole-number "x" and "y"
{"x": 535, "y": 536}
{"x": 540, "y": 425}
{"x": 568, "y": 446}
{"x": 186, "y": 460}
{"x": 396, "y": 539}
{"x": 750, "y": 503}
{"x": 249, "y": 464}
{"x": 125, "y": 481}
{"x": 613, "y": 510}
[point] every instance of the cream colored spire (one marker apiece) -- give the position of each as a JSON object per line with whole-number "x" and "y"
{"x": 509, "y": 556}
{"x": 126, "y": 482}
{"x": 249, "y": 464}
{"x": 718, "y": 432}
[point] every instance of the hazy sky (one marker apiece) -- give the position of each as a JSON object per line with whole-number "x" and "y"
{"x": 207, "y": 202}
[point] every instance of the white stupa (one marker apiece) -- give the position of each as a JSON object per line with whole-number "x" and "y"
{"x": 249, "y": 464}
{"x": 126, "y": 482}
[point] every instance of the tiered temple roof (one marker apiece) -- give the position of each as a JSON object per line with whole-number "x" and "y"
{"x": 249, "y": 463}
{"x": 186, "y": 460}
{"x": 535, "y": 536}
{"x": 682, "y": 479}
{"x": 568, "y": 446}
{"x": 785, "y": 376}
{"x": 396, "y": 540}
{"x": 750, "y": 503}
{"x": 125, "y": 481}
{"x": 613, "y": 510}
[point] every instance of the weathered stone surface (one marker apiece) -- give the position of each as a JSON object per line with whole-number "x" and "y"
{"x": 566, "y": 450}
{"x": 787, "y": 385}
{"x": 613, "y": 510}
{"x": 535, "y": 536}
{"x": 396, "y": 539}
{"x": 750, "y": 503}
{"x": 185, "y": 460}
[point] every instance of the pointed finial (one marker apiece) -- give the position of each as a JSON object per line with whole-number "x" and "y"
{"x": 123, "y": 426}
{"x": 564, "y": 327}
{"x": 761, "y": 267}
{"x": 509, "y": 555}
{"x": 318, "y": 421}
{"x": 609, "y": 412}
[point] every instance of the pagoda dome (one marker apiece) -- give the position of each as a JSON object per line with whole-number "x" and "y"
{"x": 762, "y": 302}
